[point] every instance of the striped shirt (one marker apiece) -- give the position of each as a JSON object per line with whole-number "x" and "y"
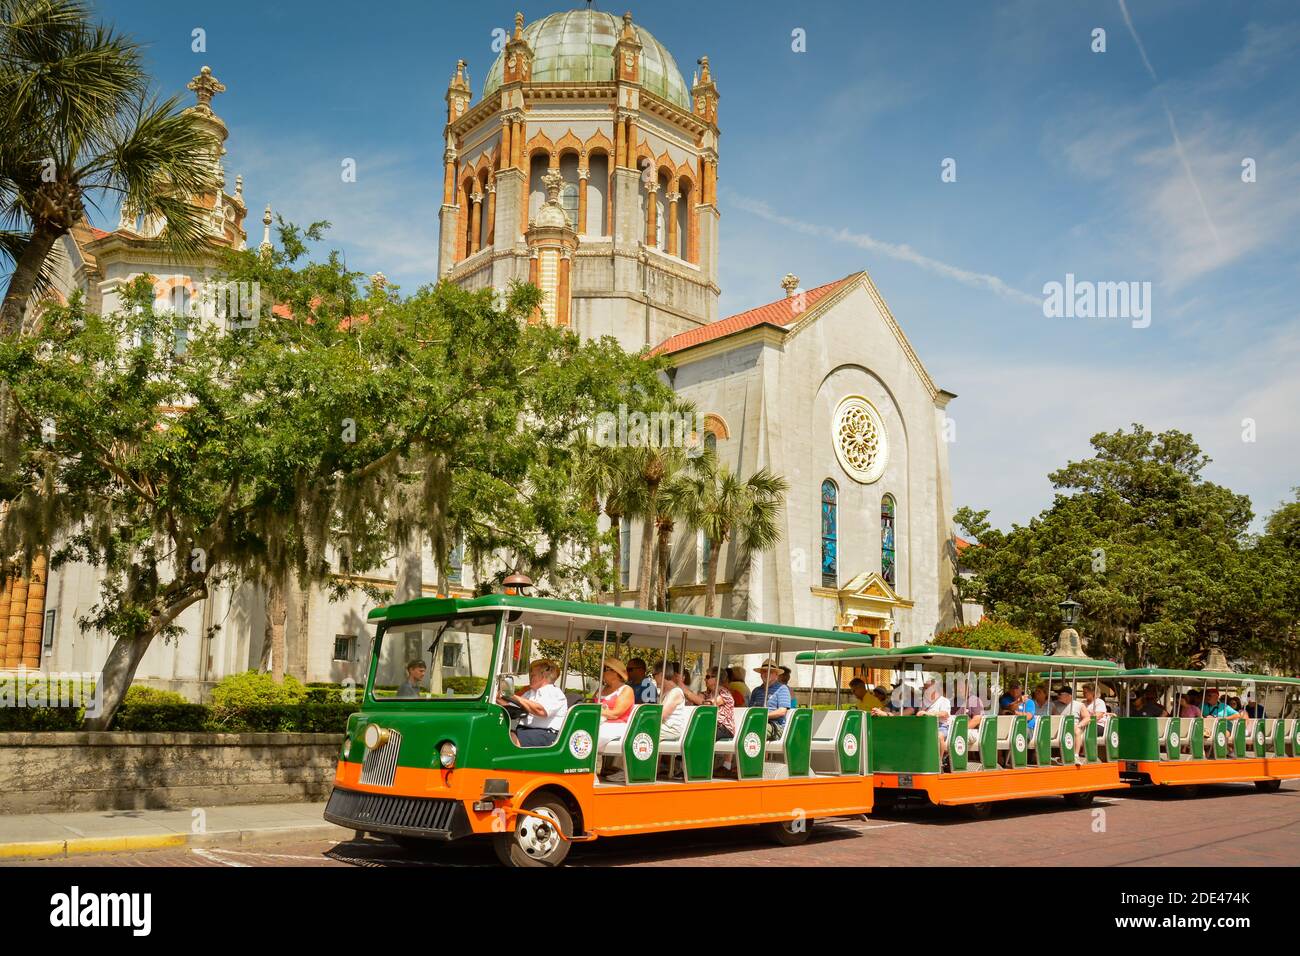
{"x": 778, "y": 698}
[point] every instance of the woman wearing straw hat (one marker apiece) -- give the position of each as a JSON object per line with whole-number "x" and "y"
{"x": 615, "y": 698}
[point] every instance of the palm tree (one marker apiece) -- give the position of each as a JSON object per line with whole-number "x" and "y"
{"x": 713, "y": 499}
{"x": 605, "y": 476}
{"x": 78, "y": 124}
{"x": 654, "y": 468}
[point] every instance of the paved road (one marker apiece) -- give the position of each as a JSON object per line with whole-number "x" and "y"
{"x": 1225, "y": 826}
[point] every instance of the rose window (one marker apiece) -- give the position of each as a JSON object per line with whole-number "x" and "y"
{"x": 861, "y": 443}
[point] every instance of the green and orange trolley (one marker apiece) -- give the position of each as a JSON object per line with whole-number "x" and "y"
{"x": 1187, "y": 751}
{"x": 442, "y": 765}
{"x": 995, "y": 758}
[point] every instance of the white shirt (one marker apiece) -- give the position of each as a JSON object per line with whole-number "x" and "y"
{"x": 553, "y": 702}
{"x": 939, "y": 706}
{"x": 676, "y": 721}
{"x": 1075, "y": 709}
{"x": 1098, "y": 706}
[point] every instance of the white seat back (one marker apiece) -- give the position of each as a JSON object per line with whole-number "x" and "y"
{"x": 827, "y": 724}
{"x": 1006, "y": 724}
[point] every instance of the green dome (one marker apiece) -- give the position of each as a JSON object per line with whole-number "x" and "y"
{"x": 577, "y": 46}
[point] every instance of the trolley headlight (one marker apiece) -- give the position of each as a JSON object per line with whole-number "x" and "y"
{"x": 347, "y": 745}
{"x": 447, "y": 754}
{"x": 376, "y": 736}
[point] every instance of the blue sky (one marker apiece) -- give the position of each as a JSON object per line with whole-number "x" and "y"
{"x": 1115, "y": 166}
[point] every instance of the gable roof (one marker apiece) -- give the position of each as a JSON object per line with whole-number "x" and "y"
{"x": 782, "y": 313}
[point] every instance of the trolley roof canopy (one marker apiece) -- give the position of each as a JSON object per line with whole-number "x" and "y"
{"x": 1162, "y": 675}
{"x": 555, "y": 620}
{"x": 938, "y": 658}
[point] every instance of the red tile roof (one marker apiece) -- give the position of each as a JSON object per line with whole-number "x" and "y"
{"x": 780, "y": 313}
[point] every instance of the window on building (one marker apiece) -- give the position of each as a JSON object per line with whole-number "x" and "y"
{"x": 345, "y": 647}
{"x": 830, "y": 541}
{"x": 625, "y": 556}
{"x": 456, "y": 561}
{"x": 887, "y": 552}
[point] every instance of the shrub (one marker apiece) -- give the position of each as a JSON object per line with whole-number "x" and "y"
{"x": 40, "y": 718}
{"x": 464, "y": 685}
{"x": 251, "y": 689}
{"x": 990, "y": 635}
{"x": 164, "y": 717}
{"x": 139, "y": 694}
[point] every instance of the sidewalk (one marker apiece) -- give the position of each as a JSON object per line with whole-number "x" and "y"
{"x": 44, "y": 835}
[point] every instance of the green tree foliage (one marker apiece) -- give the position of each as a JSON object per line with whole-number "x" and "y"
{"x": 78, "y": 124}
{"x": 283, "y": 446}
{"x": 990, "y": 635}
{"x": 1158, "y": 556}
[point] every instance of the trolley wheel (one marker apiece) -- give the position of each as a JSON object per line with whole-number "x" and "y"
{"x": 1268, "y": 786}
{"x": 535, "y": 842}
{"x": 1079, "y": 799}
{"x": 976, "y": 811}
{"x": 789, "y": 832}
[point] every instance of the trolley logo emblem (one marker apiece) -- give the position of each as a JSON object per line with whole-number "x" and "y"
{"x": 1069, "y": 741}
{"x": 752, "y": 744}
{"x": 1221, "y": 739}
{"x": 642, "y": 746}
{"x": 580, "y": 745}
{"x": 850, "y": 744}
{"x": 1020, "y": 743}
{"x": 958, "y": 746}
{"x": 1114, "y": 738}
{"x": 1173, "y": 740}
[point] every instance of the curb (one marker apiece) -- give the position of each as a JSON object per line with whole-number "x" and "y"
{"x": 54, "y": 849}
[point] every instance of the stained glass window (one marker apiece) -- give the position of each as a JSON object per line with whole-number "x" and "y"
{"x": 887, "y": 554}
{"x": 830, "y": 556}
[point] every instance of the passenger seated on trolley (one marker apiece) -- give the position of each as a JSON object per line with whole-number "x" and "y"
{"x": 716, "y": 696}
{"x": 1066, "y": 705}
{"x": 410, "y": 688}
{"x": 1033, "y": 706}
{"x": 616, "y": 699}
{"x": 1150, "y": 705}
{"x": 1189, "y": 705}
{"x": 1096, "y": 706}
{"x": 859, "y": 697}
{"x": 736, "y": 681}
{"x": 773, "y": 695}
{"x": 1011, "y": 698}
{"x": 1216, "y": 707}
{"x": 1253, "y": 708}
{"x": 672, "y": 720}
{"x": 934, "y": 704}
{"x": 544, "y": 704}
{"x": 969, "y": 704}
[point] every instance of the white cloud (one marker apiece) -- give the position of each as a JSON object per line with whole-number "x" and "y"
{"x": 900, "y": 251}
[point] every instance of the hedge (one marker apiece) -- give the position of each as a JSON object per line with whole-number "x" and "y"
{"x": 304, "y": 718}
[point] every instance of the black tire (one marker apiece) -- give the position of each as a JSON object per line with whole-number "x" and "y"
{"x": 1268, "y": 786}
{"x": 532, "y": 842}
{"x": 977, "y": 811}
{"x": 789, "y": 833}
{"x": 1079, "y": 799}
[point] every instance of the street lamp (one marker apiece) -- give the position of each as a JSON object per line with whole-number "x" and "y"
{"x": 1069, "y": 612}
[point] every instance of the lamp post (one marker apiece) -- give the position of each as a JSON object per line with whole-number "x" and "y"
{"x": 1068, "y": 644}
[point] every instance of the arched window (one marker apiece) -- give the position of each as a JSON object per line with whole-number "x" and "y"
{"x": 830, "y": 549}
{"x": 569, "y": 191}
{"x": 887, "y": 553}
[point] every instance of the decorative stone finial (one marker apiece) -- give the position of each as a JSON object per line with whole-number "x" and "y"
{"x": 379, "y": 280}
{"x": 239, "y": 187}
{"x": 704, "y": 70}
{"x": 519, "y": 26}
{"x": 265, "y": 247}
{"x": 205, "y": 86}
{"x": 790, "y": 282}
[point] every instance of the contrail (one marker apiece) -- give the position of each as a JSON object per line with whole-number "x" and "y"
{"x": 1169, "y": 115}
{"x": 903, "y": 252}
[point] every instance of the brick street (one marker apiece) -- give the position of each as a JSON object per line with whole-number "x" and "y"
{"x": 1224, "y": 827}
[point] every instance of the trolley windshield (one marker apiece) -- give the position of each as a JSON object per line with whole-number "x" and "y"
{"x": 440, "y": 660}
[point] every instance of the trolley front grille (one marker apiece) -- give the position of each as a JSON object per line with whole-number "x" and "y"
{"x": 379, "y": 766}
{"x": 385, "y": 812}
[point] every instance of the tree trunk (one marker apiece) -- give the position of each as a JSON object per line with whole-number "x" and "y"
{"x": 644, "y": 572}
{"x": 665, "y": 543}
{"x": 27, "y": 271}
{"x": 119, "y": 671}
{"x": 408, "y": 583}
{"x": 277, "y": 611}
{"x": 711, "y": 577}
